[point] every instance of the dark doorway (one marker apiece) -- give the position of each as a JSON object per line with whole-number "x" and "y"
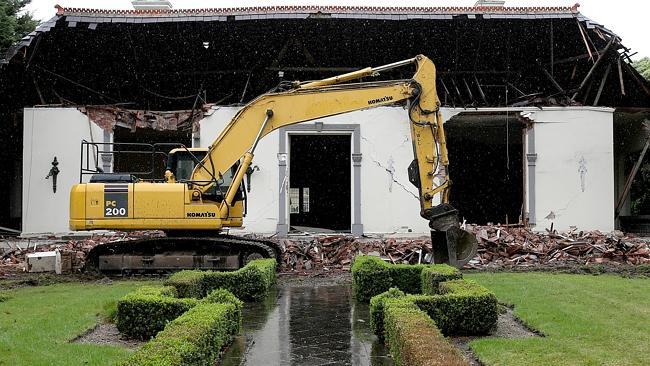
{"x": 320, "y": 192}
{"x": 486, "y": 167}
{"x": 143, "y": 162}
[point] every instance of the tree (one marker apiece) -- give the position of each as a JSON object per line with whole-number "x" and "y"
{"x": 643, "y": 67}
{"x": 14, "y": 23}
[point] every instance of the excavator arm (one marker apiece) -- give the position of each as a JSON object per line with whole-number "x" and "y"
{"x": 332, "y": 96}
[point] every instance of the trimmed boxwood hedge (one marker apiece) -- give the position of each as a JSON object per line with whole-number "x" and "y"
{"x": 144, "y": 312}
{"x": 251, "y": 282}
{"x": 187, "y": 283}
{"x": 223, "y": 296}
{"x": 377, "y": 309}
{"x": 462, "y": 308}
{"x": 372, "y": 276}
{"x": 195, "y": 338}
{"x": 413, "y": 338}
{"x": 432, "y": 276}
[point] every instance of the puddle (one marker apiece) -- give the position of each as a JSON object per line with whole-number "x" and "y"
{"x": 307, "y": 325}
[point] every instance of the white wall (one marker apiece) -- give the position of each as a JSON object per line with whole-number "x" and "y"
{"x": 50, "y": 132}
{"x": 575, "y": 168}
{"x": 385, "y": 136}
{"x": 563, "y": 136}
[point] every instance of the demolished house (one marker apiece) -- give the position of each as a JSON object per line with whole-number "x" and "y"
{"x": 542, "y": 108}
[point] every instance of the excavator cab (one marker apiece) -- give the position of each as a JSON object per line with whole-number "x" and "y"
{"x": 181, "y": 163}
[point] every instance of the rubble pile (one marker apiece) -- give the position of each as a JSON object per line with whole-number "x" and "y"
{"x": 518, "y": 246}
{"x": 12, "y": 258}
{"x": 499, "y": 246}
{"x": 337, "y": 252}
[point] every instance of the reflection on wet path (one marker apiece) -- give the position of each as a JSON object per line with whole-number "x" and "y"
{"x": 300, "y": 324}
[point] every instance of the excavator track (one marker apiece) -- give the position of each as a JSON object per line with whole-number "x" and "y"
{"x": 169, "y": 254}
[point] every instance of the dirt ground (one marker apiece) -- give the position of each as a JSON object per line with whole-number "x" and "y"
{"x": 107, "y": 334}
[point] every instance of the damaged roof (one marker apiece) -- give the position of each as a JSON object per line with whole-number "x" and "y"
{"x": 173, "y": 59}
{"x": 96, "y": 16}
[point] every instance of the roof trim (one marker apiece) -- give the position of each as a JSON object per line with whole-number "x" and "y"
{"x": 317, "y": 9}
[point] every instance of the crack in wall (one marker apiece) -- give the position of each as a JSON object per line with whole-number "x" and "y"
{"x": 390, "y": 169}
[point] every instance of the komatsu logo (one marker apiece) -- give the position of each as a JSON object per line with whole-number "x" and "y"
{"x": 201, "y": 214}
{"x": 387, "y": 98}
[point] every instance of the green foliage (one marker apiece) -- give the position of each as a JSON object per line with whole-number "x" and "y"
{"x": 251, "y": 282}
{"x": 462, "y": 308}
{"x": 372, "y": 276}
{"x": 414, "y": 339}
{"x": 4, "y": 297}
{"x": 586, "y": 320}
{"x": 432, "y": 276}
{"x": 377, "y": 309}
{"x": 109, "y": 312}
{"x": 14, "y": 24}
{"x": 406, "y": 277}
{"x": 223, "y": 296}
{"x": 194, "y": 338}
{"x": 64, "y": 311}
{"x": 643, "y": 67}
{"x": 187, "y": 283}
{"x": 144, "y": 312}
{"x": 640, "y": 191}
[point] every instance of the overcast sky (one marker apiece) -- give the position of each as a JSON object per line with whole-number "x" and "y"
{"x": 624, "y": 17}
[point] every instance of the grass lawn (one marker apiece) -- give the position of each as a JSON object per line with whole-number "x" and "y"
{"x": 587, "y": 320}
{"x": 37, "y": 323}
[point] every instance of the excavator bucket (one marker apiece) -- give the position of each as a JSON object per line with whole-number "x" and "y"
{"x": 451, "y": 244}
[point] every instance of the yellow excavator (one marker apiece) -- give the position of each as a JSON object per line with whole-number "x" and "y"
{"x": 203, "y": 190}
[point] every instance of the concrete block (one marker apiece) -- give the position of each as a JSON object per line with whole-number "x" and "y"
{"x": 41, "y": 262}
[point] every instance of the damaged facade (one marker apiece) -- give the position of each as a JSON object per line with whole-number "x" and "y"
{"x": 540, "y": 106}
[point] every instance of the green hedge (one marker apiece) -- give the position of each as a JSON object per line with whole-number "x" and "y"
{"x": 377, "y": 309}
{"x": 432, "y": 276}
{"x": 223, "y": 296}
{"x": 372, "y": 276}
{"x": 187, "y": 283}
{"x": 466, "y": 308}
{"x": 462, "y": 308}
{"x": 144, "y": 312}
{"x": 195, "y": 338}
{"x": 251, "y": 282}
{"x": 413, "y": 338}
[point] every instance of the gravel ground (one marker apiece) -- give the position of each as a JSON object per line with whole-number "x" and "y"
{"x": 107, "y": 334}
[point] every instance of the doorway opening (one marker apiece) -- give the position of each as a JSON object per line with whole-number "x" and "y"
{"x": 486, "y": 166}
{"x": 142, "y": 162}
{"x": 320, "y": 196}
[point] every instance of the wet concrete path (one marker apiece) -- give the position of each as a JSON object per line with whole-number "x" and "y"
{"x": 307, "y": 323}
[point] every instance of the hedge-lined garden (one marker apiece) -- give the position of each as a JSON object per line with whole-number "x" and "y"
{"x": 193, "y": 316}
{"x": 413, "y": 306}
